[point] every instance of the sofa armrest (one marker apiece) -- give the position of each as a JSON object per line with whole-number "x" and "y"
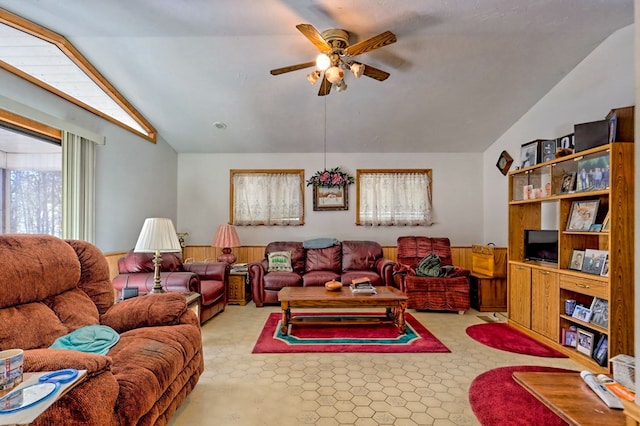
{"x": 146, "y": 311}
{"x": 256, "y": 271}
{"x": 36, "y": 360}
{"x": 218, "y": 271}
{"x": 458, "y": 271}
{"x": 181, "y": 282}
{"x": 384, "y": 267}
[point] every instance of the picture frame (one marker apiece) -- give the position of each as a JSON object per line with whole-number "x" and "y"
{"x": 594, "y": 261}
{"x": 529, "y": 154}
{"x": 582, "y": 215}
{"x": 577, "y": 257}
{"x": 330, "y": 198}
{"x": 569, "y": 337}
{"x": 547, "y": 150}
{"x": 582, "y": 313}
{"x": 606, "y": 223}
{"x": 568, "y": 183}
{"x": 601, "y": 350}
{"x": 593, "y": 174}
{"x": 600, "y": 312}
{"x": 596, "y": 227}
{"x": 605, "y": 269}
{"x": 585, "y": 342}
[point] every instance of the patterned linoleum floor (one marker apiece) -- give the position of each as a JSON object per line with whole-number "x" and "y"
{"x": 241, "y": 388}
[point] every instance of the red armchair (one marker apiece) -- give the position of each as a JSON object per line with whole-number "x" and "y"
{"x": 448, "y": 293}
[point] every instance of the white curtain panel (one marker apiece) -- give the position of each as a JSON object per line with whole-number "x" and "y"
{"x": 78, "y": 187}
{"x": 395, "y": 199}
{"x": 267, "y": 199}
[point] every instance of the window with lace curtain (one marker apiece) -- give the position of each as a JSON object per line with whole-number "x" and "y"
{"x": 267, "y": 197}
{"x": 393, "y": 197}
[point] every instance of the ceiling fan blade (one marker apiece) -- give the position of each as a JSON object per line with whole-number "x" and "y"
{"x": 375, "y": 73}
{"x": 290, "y": 68}
{"x": 372, "y": 43}
{"x": 325, "y": 87}
{"x": 314, "y": 37}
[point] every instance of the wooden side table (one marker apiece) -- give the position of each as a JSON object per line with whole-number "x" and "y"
{"x": 193, "y": 302}
{"x": 239, "y": 292}
{"x": 488, "y": 294}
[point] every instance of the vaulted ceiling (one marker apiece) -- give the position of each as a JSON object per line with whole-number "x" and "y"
{"x": 462, "y": 71}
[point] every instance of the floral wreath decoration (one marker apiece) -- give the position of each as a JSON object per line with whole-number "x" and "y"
{"x": 330, "y": 178}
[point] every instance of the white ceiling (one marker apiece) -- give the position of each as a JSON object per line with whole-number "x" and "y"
{"x": 462, "y": 71}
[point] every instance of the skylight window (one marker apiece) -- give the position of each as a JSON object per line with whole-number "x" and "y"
{"x": 50, "y": 61}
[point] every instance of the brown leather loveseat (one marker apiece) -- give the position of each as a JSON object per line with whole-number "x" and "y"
{"x": 51, "y": 287}
{"x": 340, "y": 261}
{"x": 211, "y": 280}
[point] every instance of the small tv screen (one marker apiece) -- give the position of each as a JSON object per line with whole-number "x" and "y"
{"x": 541, "y": 245}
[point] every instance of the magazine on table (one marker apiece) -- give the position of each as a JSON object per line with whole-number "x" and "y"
{"x": 362, "y": 286}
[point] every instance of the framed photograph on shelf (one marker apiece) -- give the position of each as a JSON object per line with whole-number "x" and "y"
{"x": 529, "y": 154}
{"x": 593, "y": 173}
{"x": 605, "y": 269}
{"x": 585, "y": 342}
{"x": 596, "y": 227}
{"x": 568, "y": 183}
{"x": 600, "y": 312}
{"x": 582, "y": 215}
{"x": 600, "y": 352}
{"x": 577, "y": 257}
{"x": 606, "y": 223}
{"x": 582, "y": 313}
{"x": 594, "y": 261}
{"x": 330, "y": 198}
{"x": 569, "y": 337}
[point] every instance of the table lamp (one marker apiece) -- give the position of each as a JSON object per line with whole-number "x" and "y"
{"x": 226, "y": 237}
{"x": 157, "y": 236}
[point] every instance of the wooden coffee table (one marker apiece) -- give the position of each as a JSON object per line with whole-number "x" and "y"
{"x": 390, "y": 298}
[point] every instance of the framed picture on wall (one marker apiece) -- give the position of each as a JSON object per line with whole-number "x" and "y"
{"x": 330, "y": 198}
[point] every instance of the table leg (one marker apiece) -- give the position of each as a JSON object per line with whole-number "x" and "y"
{"x": 402, "y": 326}
{"x": 286, "y": 317}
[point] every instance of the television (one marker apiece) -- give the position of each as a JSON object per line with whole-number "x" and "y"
{"x": 541, "y": 245}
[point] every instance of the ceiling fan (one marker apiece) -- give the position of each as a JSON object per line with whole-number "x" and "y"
{"x": 336, "y": 55}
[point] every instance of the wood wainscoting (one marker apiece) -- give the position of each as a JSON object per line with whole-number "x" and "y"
{"x": 461, "y": 255}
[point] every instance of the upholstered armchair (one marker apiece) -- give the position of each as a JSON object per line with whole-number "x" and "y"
{"x": 448, "y": 293}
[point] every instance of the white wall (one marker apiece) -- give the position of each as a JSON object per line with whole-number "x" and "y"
{"x": 602, "y": 81}
{"x": 135, "y": 179}
{"x": 203, "y": 196}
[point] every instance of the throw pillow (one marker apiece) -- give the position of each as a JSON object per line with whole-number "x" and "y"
{"x": 280, "y": 261}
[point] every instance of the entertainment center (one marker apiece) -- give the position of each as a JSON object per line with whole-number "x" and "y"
{"x": 593, "y": 218}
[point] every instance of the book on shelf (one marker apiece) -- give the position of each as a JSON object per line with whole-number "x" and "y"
{"x": 362, "y": 286}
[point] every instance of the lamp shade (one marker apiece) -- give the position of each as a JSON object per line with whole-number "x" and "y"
{"x": 157, "y": 234}
{"x": 226, "y": 236}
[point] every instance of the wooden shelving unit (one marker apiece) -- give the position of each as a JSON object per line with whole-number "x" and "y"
{"x": 537, "y": 290}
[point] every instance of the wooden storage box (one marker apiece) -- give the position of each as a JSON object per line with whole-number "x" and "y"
{"x": 485, "y": 260}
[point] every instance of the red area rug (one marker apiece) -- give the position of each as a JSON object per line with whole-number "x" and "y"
{"x": 502, "y": 336}
{"x": 379, "y": 338}
{"x": 497, "y": 399}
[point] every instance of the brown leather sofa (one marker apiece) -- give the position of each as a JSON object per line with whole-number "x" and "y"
{"x": 448, "y": 293}
{"x": 342, "y": 261}
{"x": 211, "y": 280}
{"x": 50, "y": 287}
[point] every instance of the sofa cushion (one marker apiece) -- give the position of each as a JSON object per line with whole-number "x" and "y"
{"x": 349, "y": 276}
{"x": 17, "y": 329}
{"x": 319, "y": 278}
{"x": 74, "y": 309}
{"x": 360, "y": 255}
{"x": 134, "y": 262}
{"x": 279, "y": 261}
{"x": 411, "y": 250}
{"x": 281, "y": 280}
{"x": 212, "y": 291}
{"x": 324, "y": 259}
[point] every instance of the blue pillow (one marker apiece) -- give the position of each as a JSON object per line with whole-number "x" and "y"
{"x": 318, "y": 243}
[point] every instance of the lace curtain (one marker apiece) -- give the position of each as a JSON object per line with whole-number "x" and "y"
{"x": 394, "y": 199}
{"x": 267, "y": 199}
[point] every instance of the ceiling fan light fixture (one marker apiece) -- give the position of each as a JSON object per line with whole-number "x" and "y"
{"x": 334, "y": 74}
{"x": 357, "y": 69}
{"x": 341, "y": 86}
{"x": 323, "y": 62}
{"x": 313, "y": 76}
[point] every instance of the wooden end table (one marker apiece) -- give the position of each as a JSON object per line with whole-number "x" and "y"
{"x": 239, "y": 291}
{"x": 392, "y": 299}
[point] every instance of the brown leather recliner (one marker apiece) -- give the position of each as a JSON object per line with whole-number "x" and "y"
{"x": 211, "y": 280}
{"x": 342, "y": 261}
{"x": 448, "y": 293}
